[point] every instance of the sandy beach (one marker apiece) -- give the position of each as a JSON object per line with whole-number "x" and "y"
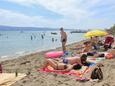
{"x": 57, "y": 43}
{"x": 32, "y": 62}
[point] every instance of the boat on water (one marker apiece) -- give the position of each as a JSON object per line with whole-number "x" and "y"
{"x": 53, "y": 33}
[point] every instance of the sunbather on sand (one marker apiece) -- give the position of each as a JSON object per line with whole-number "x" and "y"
{"x": 87, "y": 47}
{"x": 82, "y": 61}
{"x": 109, "y": 54}
{"x": 60, "y": 66}
{"x": 73, "y": 60}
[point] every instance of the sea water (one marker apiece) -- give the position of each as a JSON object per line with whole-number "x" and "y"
{"x": 21, "y": 42}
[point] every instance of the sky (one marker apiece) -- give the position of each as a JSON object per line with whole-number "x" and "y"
{"x": 70, "y": 14}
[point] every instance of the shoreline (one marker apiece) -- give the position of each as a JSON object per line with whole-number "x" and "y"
{"x": 12, "y": 57}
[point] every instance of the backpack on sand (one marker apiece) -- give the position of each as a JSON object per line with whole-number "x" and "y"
{"x": 97, "y": 74}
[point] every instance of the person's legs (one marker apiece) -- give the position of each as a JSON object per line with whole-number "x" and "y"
{"x": 63, "y": 46}
{"x": 50, "y": 62}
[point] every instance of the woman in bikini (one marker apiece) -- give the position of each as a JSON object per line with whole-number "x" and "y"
{"x": 58, "y": 66}
{"x": 68, "y": 63}
{"x": 94, "y": 73}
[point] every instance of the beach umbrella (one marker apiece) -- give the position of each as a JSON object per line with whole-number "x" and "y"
{"x": 93, "y": 33}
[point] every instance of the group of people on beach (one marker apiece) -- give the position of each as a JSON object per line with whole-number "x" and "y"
{"x": 90, "y": 48}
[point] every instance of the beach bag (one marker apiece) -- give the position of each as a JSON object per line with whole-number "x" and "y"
{"x": 97, "y": 74}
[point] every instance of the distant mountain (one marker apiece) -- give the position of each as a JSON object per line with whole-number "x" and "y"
{"x": 13, "y": 28}
{"x": 78, "y": 31}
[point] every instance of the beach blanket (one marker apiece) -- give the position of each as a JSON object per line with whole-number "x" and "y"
{"x": 95, "y": 60}
{"x": 77, "y": 73}
{"x": 7, "y": 79}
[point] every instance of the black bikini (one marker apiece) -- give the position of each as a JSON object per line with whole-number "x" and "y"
{"x": 65, "y": 67}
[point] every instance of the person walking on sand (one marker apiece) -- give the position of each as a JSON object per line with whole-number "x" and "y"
{"x": 63, "y": 39}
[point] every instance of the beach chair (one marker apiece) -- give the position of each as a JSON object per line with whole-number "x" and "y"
{"x": 108, "y": 42}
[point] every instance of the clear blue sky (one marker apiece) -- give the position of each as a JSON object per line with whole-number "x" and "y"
{"x": 81, "y": 14}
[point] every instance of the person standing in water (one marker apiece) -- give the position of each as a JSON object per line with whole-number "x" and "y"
{"x": 63, "y": 39}
{"x": 31, "y": 37}
{"x": 42, "y": 36}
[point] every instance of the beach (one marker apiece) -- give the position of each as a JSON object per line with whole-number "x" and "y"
{"x": 32, "y": 62}
{"x": 57, "y": 43}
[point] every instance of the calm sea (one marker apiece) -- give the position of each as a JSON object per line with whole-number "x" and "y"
{"x": 14, "y": 43}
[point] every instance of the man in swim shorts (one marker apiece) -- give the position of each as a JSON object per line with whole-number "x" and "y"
{"x": 63, "y": 39}
{"x": 81, "y": 60}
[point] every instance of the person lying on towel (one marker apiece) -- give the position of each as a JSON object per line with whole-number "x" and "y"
{"x": 81, "y": 60}
{"x": 68, "y": 63}
{"x": 62, "y": 67}
{"x": 109, "y": 54}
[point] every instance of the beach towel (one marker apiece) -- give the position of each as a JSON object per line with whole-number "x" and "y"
{"x": 95, "y": 60}
{"x": 72, "y": 72}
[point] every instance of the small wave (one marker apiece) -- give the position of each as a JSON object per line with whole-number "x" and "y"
{"x": 4, "y": 56}
{"x": 20, "y": 52}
